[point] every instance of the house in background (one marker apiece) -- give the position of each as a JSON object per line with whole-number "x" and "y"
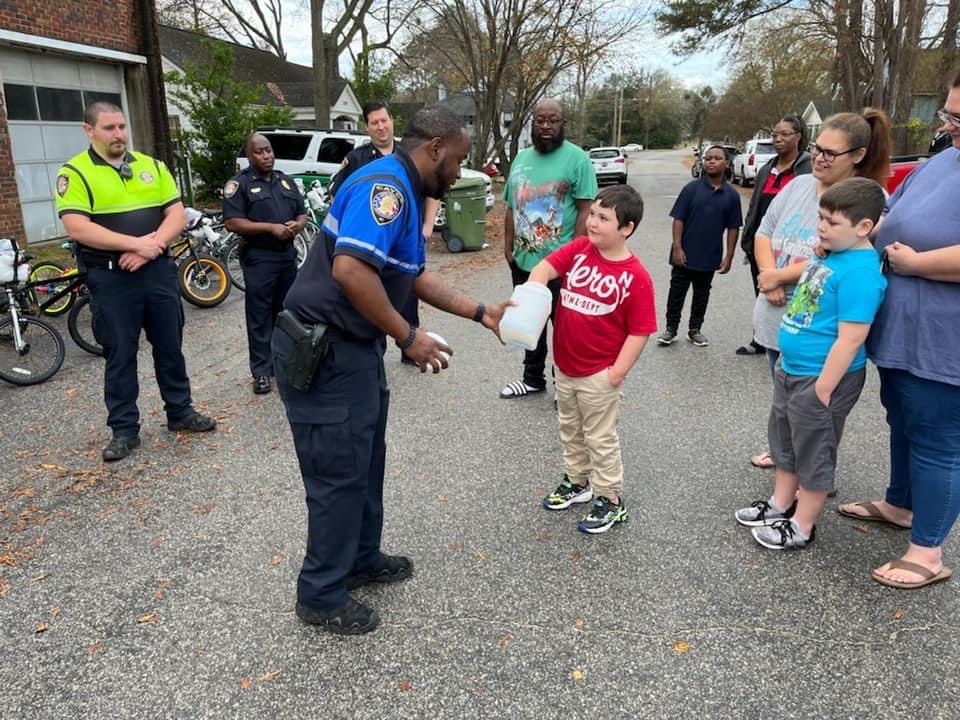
{"x": 55, "y": 57}
{"x": 286, "y": 83}
{"x": 463, "y": 105}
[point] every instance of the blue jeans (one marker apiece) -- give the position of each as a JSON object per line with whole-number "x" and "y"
{"x": 924, "y": 419}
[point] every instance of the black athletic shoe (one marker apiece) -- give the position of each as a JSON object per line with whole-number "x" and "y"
{"x": 392, "y": 568}
{"x": 261, "y": 385}
{"x": 120, "y": 447}
{"x": 192, "y": 423}
{"x": 353, "y": 618}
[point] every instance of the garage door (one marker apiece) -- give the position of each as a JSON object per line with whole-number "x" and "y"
{"x": 45, "y": 96}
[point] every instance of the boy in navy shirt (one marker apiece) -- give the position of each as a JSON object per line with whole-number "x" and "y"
{"x": 822, "y": 365}
{"x": 707, "y": 209}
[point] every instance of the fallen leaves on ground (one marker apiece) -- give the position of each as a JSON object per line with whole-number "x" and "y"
{"x": 504, "y": 639}
{"x": 681, "y": 647}
{"x": 441, "y": 498}
{"x": 40, "y": 628}
{"x": 94, "y": 648}
{"x": 55, "y": 612}
{"x": 108, "y": 511}
{"x": 543, "y": 535}
{"x": 577, "y": 675}
{"x": 276, "y": 559}
{"x": 269, "y": 675}
{"x": 150, "y": 617}
{"x": 245, "y": 683}
{"x": 577, "y": 557}
{"x": 479, "y": 553}
{"x": 898, "y": 614}
{"x": 405, "y": 685}
{"x": 860, "y": 527}
{"x": 204, "y": 509}
{"x": 24, "y": 491}
{"x": 580, "y": 624}
{"x": 456, "y": 547}
{"x": 4, "y": 586}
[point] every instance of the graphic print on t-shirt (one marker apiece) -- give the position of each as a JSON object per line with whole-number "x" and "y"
{"x": 606, "y": 291}
{"x": 797, "y": 241}
{"x": 539, "y": 214}
{"x": 806, "y": 299}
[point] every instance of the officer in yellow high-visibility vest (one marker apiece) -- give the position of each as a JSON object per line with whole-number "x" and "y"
{"x": 122, "y": 209}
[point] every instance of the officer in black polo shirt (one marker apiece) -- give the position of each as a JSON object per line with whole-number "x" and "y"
{"x": 122, "y": 209}
{"x": 368, "y": 259}
{"x": 265, "y": 207}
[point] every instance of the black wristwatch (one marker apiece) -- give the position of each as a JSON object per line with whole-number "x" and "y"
{"x": 480, "y": 312}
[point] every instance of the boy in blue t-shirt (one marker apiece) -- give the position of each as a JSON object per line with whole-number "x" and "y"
{"x": 822, "y": 365}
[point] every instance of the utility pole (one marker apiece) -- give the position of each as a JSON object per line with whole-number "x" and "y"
{"x": 619, "y": 117}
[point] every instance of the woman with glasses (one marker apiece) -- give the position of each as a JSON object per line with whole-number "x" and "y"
{"x": 791, "y": 160}
{"x": 915, "y": 346}
{"x": 849, "y": 145}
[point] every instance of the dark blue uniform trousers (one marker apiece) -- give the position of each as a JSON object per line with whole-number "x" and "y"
{"x": 338, "y": 430}
{"x": 268, "y": 275}
{"x": 122, "y": 304}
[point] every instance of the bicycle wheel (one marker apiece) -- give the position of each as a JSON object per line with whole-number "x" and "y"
{"x": 301, "y": 242}
{"x": 231, "y": 259}
{"x": 38, "y": 359}
{"x": 203, "y": 281}
{"x": 80, "y": 325}
{"x": 49, "y": 270}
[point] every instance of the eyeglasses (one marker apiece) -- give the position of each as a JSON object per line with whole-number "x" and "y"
{"x": 829, "y": 155}
{"x": 778, "y": 135}
{"x": 949, "y": 118}
{"x": 549, "y": 122}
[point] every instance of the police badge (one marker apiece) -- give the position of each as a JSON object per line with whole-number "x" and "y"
{"x": 63, "y": 182}
{"x": 146, "y": 176}
{"x": 230, "y": 189}
{"x": 386, "y": 202}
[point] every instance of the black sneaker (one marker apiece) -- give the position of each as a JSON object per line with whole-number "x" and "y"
{"x": 567, "y": 494}
{"x": 763, "y": 513}
{"x": 392, "y": 568}
{"x": 353, "y": 618}
{"x": 603, "y": 516}
{"x": 783, "y": 535}
{"x": 261, "y": 385}
{"x": 668, "y": 337}
{"x": 192, "y": 423}
{"x": 697, "y": 338}
{"x": 120, "y": 447}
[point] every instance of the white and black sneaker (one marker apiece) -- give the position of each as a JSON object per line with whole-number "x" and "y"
{"x": 763, "y": 512}
{"x": 567, "y": 494}
{"x": 783, "y": 535}
{"x": 667, "y": 337}
{"x": 603, "y": 515}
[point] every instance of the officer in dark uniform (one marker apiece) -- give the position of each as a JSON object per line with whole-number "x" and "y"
{"x": 369, "y": 258}
{"x": 122, "y": 209}
{"x": 265, "y": 207}
{"x": 379, "y": 125}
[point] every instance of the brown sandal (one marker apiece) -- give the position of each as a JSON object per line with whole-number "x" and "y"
{"x": 873, "y": 515}
{"x": 928, "y": 575}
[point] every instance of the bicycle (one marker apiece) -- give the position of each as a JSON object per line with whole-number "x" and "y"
{"x": 202, "y": 278}
{"x": 31, "y": 349}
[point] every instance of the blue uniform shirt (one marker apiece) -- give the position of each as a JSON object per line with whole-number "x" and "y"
{"x": 277, "y": 200}
{"x": 706, "y": 213}
{"x": 376, "y": 217}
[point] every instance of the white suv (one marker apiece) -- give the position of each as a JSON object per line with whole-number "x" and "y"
{"x": 609, "y": 165}
{"x": 299, "y": 151}
{"x": 755, "y": 153}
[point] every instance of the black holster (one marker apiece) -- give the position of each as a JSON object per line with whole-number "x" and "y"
{"x": 310, "y": 343}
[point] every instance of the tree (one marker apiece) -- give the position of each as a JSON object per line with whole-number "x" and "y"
{"x": 371, "y": 79}
{"x": 221, "y": 112}
{"x": 256, "y": 23}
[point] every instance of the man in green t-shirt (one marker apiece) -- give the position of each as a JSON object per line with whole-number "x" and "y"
{"x": 548, "y": 194}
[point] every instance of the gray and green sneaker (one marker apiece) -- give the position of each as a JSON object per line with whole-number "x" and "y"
{"x": 567, "y": 494}
{"x": 603, "y": 515}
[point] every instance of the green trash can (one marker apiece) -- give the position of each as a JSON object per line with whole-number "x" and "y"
{"x": 466, "y": 215}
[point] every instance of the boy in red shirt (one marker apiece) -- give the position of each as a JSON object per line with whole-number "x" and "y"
{"x": 605, "y": 315}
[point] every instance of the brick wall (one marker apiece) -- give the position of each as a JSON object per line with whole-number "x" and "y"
{"x": 11, "y": 222}
{"x": 109, "y": 25}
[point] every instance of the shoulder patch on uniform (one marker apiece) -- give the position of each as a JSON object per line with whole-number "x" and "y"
{"x": 230, "y": 189}
{"x": 286, "y": 185}
{"x": 386, "y": 202}
{"x": 147, "y": 176}
{"x": 63, "y": 182}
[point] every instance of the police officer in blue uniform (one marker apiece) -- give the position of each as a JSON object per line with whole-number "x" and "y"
{"x": 123, "y": 208}
{"x": 368, "y": 259}
{"x": 265, "y": 207}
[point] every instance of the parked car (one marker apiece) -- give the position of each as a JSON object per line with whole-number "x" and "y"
{"x": 903, "y": 165}
{"x": 755, "y": 153}
{"x": 301, "y": 151}
{"x": 609, "y": 164}
{"x": 631, "y": 148}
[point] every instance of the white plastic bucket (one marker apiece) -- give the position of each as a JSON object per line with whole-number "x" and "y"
{"x": 8, "y": 260}
{"x": 522, "y": 323}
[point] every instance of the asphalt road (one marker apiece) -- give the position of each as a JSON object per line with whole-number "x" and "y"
{"x": 163, "y": 586}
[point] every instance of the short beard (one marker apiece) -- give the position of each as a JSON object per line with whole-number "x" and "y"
{"x": 544, "y": 145}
